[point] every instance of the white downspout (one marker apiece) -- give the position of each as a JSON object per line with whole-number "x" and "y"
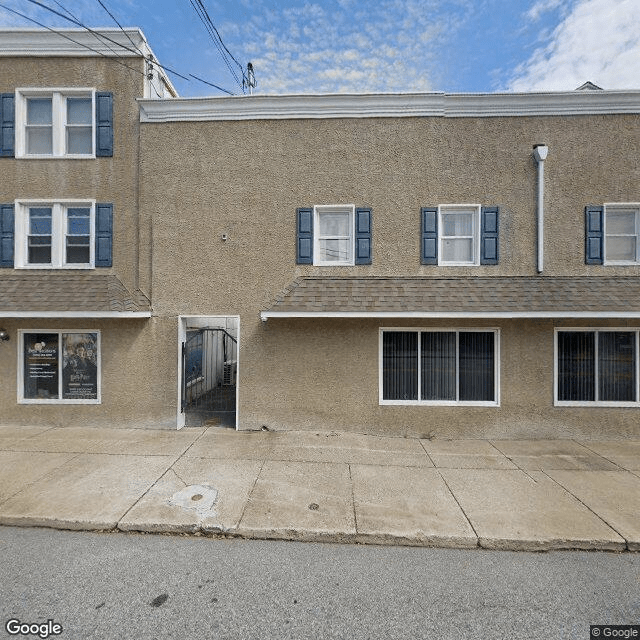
{"x": 540, "y": 152}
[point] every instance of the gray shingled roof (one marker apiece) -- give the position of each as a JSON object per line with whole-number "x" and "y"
{"x": 83, "y": 293}
{"x": 481, "y": 296}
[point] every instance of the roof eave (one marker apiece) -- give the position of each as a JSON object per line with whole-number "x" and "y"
{"x": 266, "y": 315}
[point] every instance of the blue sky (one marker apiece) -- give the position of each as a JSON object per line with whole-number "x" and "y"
{"x": 307, "y": 46}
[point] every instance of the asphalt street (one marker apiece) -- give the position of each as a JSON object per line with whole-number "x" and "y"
{"x": 118, "y": 585}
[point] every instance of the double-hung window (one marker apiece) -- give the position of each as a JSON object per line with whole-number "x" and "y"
{"x": 334, "y": 237}
{"x": 55, "y": 234}
{"x": 622, "y": 231}
{"x": 459, "y": 235}
{"x": 596, "y": 367}
{"x": 55, "y": 123}
{"x": 440, "y": 367}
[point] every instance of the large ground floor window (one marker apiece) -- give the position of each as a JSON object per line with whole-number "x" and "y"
{"x": 59, "y": 367}
{"x": 596, "y": 367}
{"x": 439, "y": 367}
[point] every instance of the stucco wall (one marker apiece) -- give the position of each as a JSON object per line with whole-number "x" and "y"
{"x": 136, "y": 374}
{"x": 200, "y": 180}
{"x": 113, "y": 179}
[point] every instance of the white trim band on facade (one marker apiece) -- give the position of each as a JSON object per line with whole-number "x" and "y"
{"x": 389, "y": 105}
{"x": 73, "y": 42}
{"x": 266, "y": 315}
{"x": 75, "y": 314}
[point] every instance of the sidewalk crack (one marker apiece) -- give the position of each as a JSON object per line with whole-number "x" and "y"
{"x": 453, "y": 495}
{"x": 353, "y": 500}
{"x": 586, "y": 506}
{"x": 246, "y": 504}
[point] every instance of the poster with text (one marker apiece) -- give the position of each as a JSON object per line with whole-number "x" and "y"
{"x": 41, "y": 366}
{"x": 80, "y": 366}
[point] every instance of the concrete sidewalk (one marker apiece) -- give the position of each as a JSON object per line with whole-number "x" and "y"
{"x": 327, "y": 486}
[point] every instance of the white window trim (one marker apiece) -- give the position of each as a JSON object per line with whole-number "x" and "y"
{"x": 58, "y": 121}
{"x": 594, "y": 403}
{"x": 339, "y": 208}
{"x": 448, "y": 208}
{"x": 59, "y": 400}
{"x": 621, "y": 205}
{"x": 440, "y": 403}
{"x": 58, "y": 234}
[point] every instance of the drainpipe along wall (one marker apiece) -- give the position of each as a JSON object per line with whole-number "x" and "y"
{"x": 540, "y": 152}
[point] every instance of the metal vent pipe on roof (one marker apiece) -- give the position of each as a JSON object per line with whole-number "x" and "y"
{"x": 540, "y": 152}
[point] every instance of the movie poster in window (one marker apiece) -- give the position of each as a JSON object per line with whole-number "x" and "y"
{"x": 79, "y": 366}
{"x": 41, "y": 366}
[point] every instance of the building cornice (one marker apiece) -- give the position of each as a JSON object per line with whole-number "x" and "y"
{"x": 73, "y": 42}
{"x": 389, "y": 105}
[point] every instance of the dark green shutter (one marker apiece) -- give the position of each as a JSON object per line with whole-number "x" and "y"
{"x": 7, "y": 125}
{"x": 363, "y": 236}
{"x": 104, "y": 235}
{"x": 429, "y": 235}
{"x": 594, "y": 235}
{"x": 104, "y": 124}
{"x": 304, "y": 235}
{"x": 6, "y": 235}
{"x": 489, "y": 233}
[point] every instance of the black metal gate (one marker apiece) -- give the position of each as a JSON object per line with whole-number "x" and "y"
{"x": 209, "y": 377}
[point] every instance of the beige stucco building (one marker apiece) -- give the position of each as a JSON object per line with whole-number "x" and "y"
{"x": 403, "y": 264}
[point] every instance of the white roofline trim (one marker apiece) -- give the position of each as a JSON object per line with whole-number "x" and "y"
{"x": 42, "y": 42}
{"x": 389, "y": 105}
{"x": 75, "y": 314}
{"x": 266, "y": 315}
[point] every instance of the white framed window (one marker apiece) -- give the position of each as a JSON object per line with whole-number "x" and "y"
{"x": 596, "y": 367}
{"x": 439, "y": 366}
{"x": 55, "y": 123}
{"x": 53, "y": 234}
{"x": 59, "y": 367}
{"x": 621, "y": 234}
{"x": 334, "y": 235}
{"x": 459, "y": 234}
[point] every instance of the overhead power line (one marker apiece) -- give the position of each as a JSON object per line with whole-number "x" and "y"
{"x": 103, "y": 38}
{"x": 116, "y": 21}
{"x": 248, "y": 78}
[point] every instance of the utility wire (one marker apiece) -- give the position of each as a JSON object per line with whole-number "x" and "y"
{"x": 203, "y": 14}
{"x": 211, "y": 84}
{"x": 201, "y": 3}
{"x": 95, "y": 33}
{"x": 135, "y": 46}
{"x": 209, "y": 27}
{"x": 99, "y": 35}
{"x": 44, "y": 26}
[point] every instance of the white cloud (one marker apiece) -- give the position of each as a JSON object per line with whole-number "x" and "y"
{"x": 598, "y": 41}
{"x": 348, "y": 46}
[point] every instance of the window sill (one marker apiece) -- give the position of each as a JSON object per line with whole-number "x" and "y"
{"x": 436, "y": 403}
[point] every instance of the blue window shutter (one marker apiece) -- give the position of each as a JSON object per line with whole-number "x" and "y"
{"x": 104, "y": 124}
{"x": 304, "y": 236}
{"x": 6, "y": 235}
{"x": 104, "y": 235}
{"x": 594, "y": 235}
{"x": 429, "y": 235}
{"x": 7, "y": 125}
{"x": 363, "y": 236}
{"x": 489, "y": 233}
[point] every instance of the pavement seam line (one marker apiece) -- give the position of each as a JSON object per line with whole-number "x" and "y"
{"x": 586, "y": 506}
{"x": 426, "y": 452}
{"x": 464, "y": 513}
{"x": 153, "y": 484}
{"x": 595, "y": 453}
{"x": 246, "y": 504}
{"x": 353, "y": 500}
